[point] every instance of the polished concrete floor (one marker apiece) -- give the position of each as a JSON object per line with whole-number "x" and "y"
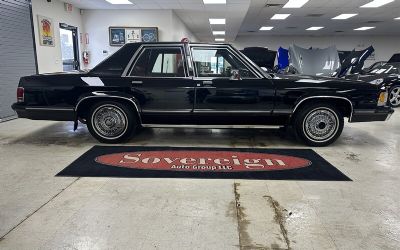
{"x": 40, "y": 211}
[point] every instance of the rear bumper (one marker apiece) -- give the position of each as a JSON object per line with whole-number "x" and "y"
{"x": 379, "y": 114}
{"x": 44, "y": 113}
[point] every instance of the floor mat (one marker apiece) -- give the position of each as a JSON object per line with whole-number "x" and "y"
{"x": 208, "y": 163}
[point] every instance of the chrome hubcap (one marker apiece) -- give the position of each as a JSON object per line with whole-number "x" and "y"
{"x": 321, "y": 124}
{"x": 394, "y": 96}
{"x": 109, "y": 121}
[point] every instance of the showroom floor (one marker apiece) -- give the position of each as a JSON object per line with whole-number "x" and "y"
{"x": 38, "y": 210}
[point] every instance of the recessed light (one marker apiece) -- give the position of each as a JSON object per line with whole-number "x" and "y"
{"x": 218, "y": 32}
{"x": 217, "y": 20}
{"x": 220, "y": 39}
{"x": 344, "y": 16}
{"x": 365, "y": 28}
{"x": 295, "y": 3}
{"x": 279, "y": 16}
{"x": 266, "y": 28}
{"x": 119, "y": 1}
{"x": 214, "y": 1}
{"x": 376, "y": 3}
{"x": 315, "y": 28}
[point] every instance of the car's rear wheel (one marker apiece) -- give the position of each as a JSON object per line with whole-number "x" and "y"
{"x": 318, "y": 124}
{"x": 111, "y": 122}
{"x": 394, "y": 96}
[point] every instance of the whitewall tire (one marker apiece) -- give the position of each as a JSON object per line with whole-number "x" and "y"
{"x": 318, "y": 124}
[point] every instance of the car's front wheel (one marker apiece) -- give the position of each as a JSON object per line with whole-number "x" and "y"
{"x": 111, "y": 122}
{"x": 318, "y": 124}
{"x": 394, "y": 96}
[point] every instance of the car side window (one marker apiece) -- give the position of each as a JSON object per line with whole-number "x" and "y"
{"x": 160, "y": 62}
{"x": 212, "y": 62}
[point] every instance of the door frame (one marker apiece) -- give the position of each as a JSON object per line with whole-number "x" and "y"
{"x": 75, "y": 42}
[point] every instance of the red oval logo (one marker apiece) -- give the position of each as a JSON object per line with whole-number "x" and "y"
{"x": 203, "y": 161}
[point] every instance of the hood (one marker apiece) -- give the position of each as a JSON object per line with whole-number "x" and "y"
{"x": 354, "y": 62}
{"x": 319, "y": 62}
{"x": 315, "y": 82}
{"x": 395, "y": 58}
{"x": 377, "y": 79}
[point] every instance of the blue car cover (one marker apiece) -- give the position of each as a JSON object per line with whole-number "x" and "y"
{"x": 283, "y": 58}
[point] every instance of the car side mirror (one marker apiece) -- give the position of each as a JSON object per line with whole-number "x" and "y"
{"x": 235, "y": 75}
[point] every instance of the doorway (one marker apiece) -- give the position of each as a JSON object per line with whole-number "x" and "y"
{"x": 69, "y": 47}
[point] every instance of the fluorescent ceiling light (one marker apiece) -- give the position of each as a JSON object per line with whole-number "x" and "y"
{"x": 266, "y": 28}
{"x": 315, "y": 28}
{"x": 217, "y": 20}
{"x": 218, "y": 32}
{"x": 365, "y": 28}
{"x": 397, "y": 18}
{"x": 295, "y": 3}
{"x": 119, "y": 1}
{"x": 214, "y": 1}
{"x": 376, "y": 3}
{"x": 220, "y": 39}
{"x": 279, "y": 16}
{"x": 344, "y": 16}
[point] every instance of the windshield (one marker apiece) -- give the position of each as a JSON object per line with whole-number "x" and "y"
{"x": 385, "y": 69}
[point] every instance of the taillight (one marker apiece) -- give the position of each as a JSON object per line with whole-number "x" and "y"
{"x": 20, "y": 94}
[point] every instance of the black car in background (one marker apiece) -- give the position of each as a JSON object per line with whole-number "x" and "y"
{"x": 197, "y": 85}
{"x": 387, "y": 74}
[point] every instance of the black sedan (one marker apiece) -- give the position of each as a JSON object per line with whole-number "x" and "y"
{"x": 387, "y": 74}
{"x": 197, "y": 85}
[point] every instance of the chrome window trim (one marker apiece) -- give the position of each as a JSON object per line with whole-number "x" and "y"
{"x": 140, "y": 51}
{"x": 232, "y": 51}
{"x": 333, "y": 97}
{"x": 110, "y": 96}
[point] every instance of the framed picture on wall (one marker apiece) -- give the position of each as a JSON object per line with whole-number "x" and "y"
{"x": 133, "y": 35}
{"x": 46, "y": 31}
{"x": 119, "y": 36}
{"x": 149, "y": 35}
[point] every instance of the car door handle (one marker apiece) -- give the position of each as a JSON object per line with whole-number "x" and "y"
{"x": 207, "y": 83}
{"x": 137, "y": 82}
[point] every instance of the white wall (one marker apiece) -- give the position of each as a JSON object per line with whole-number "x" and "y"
{"x": 97, "y": 22}
{"x": 49, "y": 58}
{"x": 180, "y": 30}
{"x": 385, "y": 46}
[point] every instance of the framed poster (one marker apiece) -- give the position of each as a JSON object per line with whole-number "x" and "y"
{"x": 122, "y": 35}
{"x": 133, "y": 35}
{"x": 117, "y": 36}
{"x": 46, "y": 31}
{"x": 149, "y": 35}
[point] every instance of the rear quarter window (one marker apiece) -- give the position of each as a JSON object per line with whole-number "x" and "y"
{"x": 116, "y": 63}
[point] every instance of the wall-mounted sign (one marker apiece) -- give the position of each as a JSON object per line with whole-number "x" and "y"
{"x": 46, "y": 31}
{"x": 121, "y": 35}
{"x": 68, "y": 7}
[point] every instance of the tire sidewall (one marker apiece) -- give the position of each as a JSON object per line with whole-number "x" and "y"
{"x": 130, "y": 121}
{"x": 300, "y": 124}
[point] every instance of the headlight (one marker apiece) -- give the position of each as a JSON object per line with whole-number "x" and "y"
{"x": 377, "y": 81}
{"x": 382, "y": 100}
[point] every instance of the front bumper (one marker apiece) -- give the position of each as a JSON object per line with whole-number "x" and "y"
{"x": 378, "y": 114}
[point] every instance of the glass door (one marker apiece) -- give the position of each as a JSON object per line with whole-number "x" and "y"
{"x": 69, "y": 47}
